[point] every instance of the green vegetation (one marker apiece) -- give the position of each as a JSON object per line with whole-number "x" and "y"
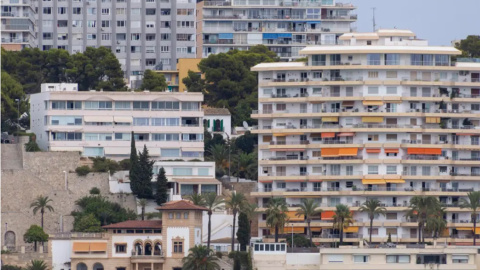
{"x": 32, "y": 146}
{"x": 37, "y": 265}
{"x": 473, "y": 204}
{"x": 153, "y": 81}
{"x": 41, "y": 203}
{"x": 276, "y": 213}
{"x": 308, "y": 209}
{"x": 88, "y": 223}
{"x": 241, "y": 260}
{"x": 423, "y": 209}
{"x": 95, "y": 191}
{"x": 212, "y": 202}
{"x": 200, "y": 258}
{"x": 11, "y": 267}
{"x": 11, "y": 109}
{"x": 197, "y": 199}
{"x": 35, "y": 234}
{"x": 143, "y": 204}
{"x": 235, "y": 201}
{"x": 82, "y": 170}
{"x": 161, "y": 189}
{"x": 104, "y": 211}
{"x": 243, "y": 232}
{"x": 373, "y": 208}
{"x": 299, "y": 240}
{"x": 342, "y": 219}
{"x": 470, "y": 46}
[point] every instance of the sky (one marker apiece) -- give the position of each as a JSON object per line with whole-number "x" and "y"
{"x": 438, "y": 21}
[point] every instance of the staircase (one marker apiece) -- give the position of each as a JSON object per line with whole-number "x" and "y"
{"x": 11, "y": 157}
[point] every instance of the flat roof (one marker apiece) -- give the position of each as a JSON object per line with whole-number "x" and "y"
{"x": 196, "y": 180}
{"x": 379, "y": 49}
{"x": 216, "y": 111}
{"x": 181, "y": 205}
{"x": 279, "y": 64}
{"x": 136, "y": 224}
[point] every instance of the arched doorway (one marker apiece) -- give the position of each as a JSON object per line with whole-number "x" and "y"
{"x": 138, "y": 249}
{"x": 158, "y": 249}
{"x": 148, "y": 249}
{"x": 81, "y": 266}
{"x": 98, "y": 266}
{"x": 10, "y": 239}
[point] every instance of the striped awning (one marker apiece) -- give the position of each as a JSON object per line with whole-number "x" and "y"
{"x": 372, "y": 103}
{"x": 373, "y": 182}
{"x": 372, "y": 119}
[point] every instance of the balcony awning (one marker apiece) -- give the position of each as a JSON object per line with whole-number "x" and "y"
{"x": 330, "y": 119}
{"x": 350, "y": 230}
{"x": 280, "y": 134}
{"x": 292, "y": 216}
{"x": 123, "y": 119}
{"x": 328, "y": 135}
{"x": 346, "y": 152}
{"x": 225, "y": 36}
{"x": 395, "y": 181}
{"x": 372, "y": 119}
{"x": 348, "y": 103}
{"x": 372, "y": 103}
{"x": 373, "y": 182}
{"x": 346, "y": 134}
{"x": 289, "y": 229}
{"x": 284, "y": 35}
{"x": 98, "y": 247}
{"x": 265, "y": 181}
{"x": 316, "y": 229}
{"x": 327, "y": 215}
{"x": 424, "y": 151}
{"x": 477, "y": 231}
{"x": 464, "y": 229}
{"x": 432, "y": 120}
{"x": 466, "y": 134}
{"x": 330, "y": 152}
{"x": 81, "y": 247}
{"x": 90, "y": 118}
{"x": 390, "y": 151}
{"x": 374, "y": 150}
{"x": 288, "y": 149}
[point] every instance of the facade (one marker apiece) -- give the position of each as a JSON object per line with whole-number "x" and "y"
{"x": 142, "y": 34}
{"x": 98, "y": 123}
{"x": 18, "y": 24}
{"x": 381, "y": 116}
{"x": 218, "y": 121}
{"x": 174, "y": 77}
{"x": 285, "y": 27}
{"x": 133, "y": 244}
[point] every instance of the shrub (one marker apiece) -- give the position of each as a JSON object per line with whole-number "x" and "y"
{"x": 102, "y": 164}
{"x": 32, "y": 146}
{"x": 11, "y": 267}
{"x": 95, "y": 191}
{"x": 125, "y": 164}
{"x": 82, "y": 170}
{"x": 219, "y": 254}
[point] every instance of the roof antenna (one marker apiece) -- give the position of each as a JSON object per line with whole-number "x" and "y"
{"x": 374, "y": 25}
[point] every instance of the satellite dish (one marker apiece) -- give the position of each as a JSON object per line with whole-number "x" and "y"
{"x": 245, "y": 124}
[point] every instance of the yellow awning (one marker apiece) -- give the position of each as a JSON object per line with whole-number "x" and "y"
{"x": 316, "y": 229}
{"x": 372, "y": 119}
{"x": 477, "y": 231}
{"x": 432, "y": 120}
{"x": 280, "y": 134}
{"x": 98, "y": 246}
{"x": 395, "y": 181}
{"x": 330, "y": 119}
{"x": 81, "y": 247}
{"x": 464, "y": 229}
{"x": 295, "y": 230}
{"x": 330, "y": 152}
{"x": 372, "y": 102}
{"x": 373, "y": 182}
{"x": 292, "y": 216}
{"x": 350, "y": 230}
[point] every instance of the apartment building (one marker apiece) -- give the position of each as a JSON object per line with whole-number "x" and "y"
{"x": 284, "y": 26}
{"x": 150, "y": 34}
{"x": 133, "y": 244}
{"x": 175, "y": 78}
{"x": 381, "y": 116}
{"x": 18, "y": 24}
{"x": 98, "y": 123}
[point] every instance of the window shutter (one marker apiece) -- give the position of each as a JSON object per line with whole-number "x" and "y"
{"x": 221, "y": 125}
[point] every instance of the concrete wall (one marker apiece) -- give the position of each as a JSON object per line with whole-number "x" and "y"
{"x": 23, "y": 259}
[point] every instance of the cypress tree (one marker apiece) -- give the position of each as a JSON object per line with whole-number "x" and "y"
{"x": 161, "y": 195}
{"x": 133, "y": 173}
{"x": 145, "y": 174}
{"x": 243, "y": 232}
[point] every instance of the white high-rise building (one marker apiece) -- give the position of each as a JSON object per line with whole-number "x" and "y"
{"x": 18, "y": 24}
{"x": 381, "y": 116}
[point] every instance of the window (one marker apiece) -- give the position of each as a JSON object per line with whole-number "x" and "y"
{"x": 373, "y": 232}
{"x": 98, "y": 136}
{"x": 373, "y": 59}
{"x": 392, "y": 137}
{"x": 120, "y": 248}
{"x": 391, "y": 90}
{"x": 373, "y": 74}
{"x": 91, "y": 11}
{"x": 105, "y": 36}
{"x": 170, "y": 215}
{"x": 421, "y": 60}
{"x": 123, "y": 136}
{"x": 335, "y": 258}
{"x": 392, "y": 74}
{"x": 392, "y": 59}
{"x": 459, "y": 258}
{"x": 106, "y": 24}
{"x": 77, "y": 10}
{"x": 165, "y": 121}
{"x": 475, "y": 107}
{"x": 281, "y": 185}
{"x": 182, "y": 171}
{"x": 203, "y": 171}
{"x": 105, "y": 11}
{"x": 141, "y": 106}
{"x": 135, "y": 36}
{"x": 373, "y": 90}
{"x": 391, "y": 169}
{"x": 391, "y": 231}
{"x": 120, "y": 11}
{"x": 140, "y": 121}
{"x": 398, "y": 258}
{"x": 391, "y": 216}
{"x": 177, "y": 247}
{"x": 98, "y": 105}
{"x": 165, "y": 137}
{"x": 165, "y": 49}
{"x": 150, "y": 11}
{"x": 185, "y": 215}
{"x": 47, "y": 10}
{"x": 121, "y": 24}
{"x": 58, "y": 105}
{"x": 122, "y": 105}
{"x": 360, "y": 258}
{"x": 66, "y": 136}
{"x": 372, "y": 169}
{"x": 170, "y": 152}
{"x": 92, "y": 23}
{"x": 317, "y": 74}
{"x": 372, "y": 137}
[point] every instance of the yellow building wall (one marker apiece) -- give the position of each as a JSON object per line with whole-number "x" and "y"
{"x": 183, "y": 66}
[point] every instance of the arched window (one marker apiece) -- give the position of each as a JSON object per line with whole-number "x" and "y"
{"x": 81, "y": 266}
{"x": 158, "y": 249}
{"x": 10, "y": 239}
{"x": 148, "y": 249}
{"x": 97, "y": 266}
{"x": 138, "y": 249}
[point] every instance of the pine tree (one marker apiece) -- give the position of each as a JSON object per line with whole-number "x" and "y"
{"x": 243, "y": 232}
{"x": 145, "y": 174}
{"x": 161, "y": 195}
{"x": 133, "y": 173}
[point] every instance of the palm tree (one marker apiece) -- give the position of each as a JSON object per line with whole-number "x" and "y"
{"x": 41, "y": 203}
{"x": 235, "y": 202}
{"x": 37, "y": 265}
{"x": 197, "y": 199}
{"x": 435, "y": 222}
{"x": 473, "y": 203}
{"x": 276, "y": 214}
{"x": 342, "y": 219}
{"x": 200, "y": 258}
{"x": 250, "y": 210}
{"x": 308, "y": 209}
{"x": 420, "y": 207}
{"x": 373, "y": 209}
{"x": 212, "y": 201}
{"x": 219, "y": 154}
{"x": 143, "y": 204}
{"x": 244, "y": 163}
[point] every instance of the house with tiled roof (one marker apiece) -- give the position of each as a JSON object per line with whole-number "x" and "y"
{"x": 218, "y": 121}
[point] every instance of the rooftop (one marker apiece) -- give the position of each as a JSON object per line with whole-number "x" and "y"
{"x": 196, "y": 180}
{"x": 181, "y": 205}
{"x": 379, "y": 49}
{"x": 136, "y": 224}
{"x": 216, "y": 111}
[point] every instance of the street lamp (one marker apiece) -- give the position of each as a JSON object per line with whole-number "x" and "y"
{"x": 292, "y": 238}
{"x": 229, "y": 164}
{"x": 18, "y": 116}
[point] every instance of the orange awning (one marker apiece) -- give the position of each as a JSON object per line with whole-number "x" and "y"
{"x": 415, "y": 151}
{"x": 465, "y": 134}
{"x": 81, "y": 247}
{"x": 433, "y": 151}
{"x": 327, "y": 215}
{"x": 424, "y": 151}
{"x": 316, "y": 229}
{"x": 350, "y": 230}
{"x": 330, "y": 152}
{"x": 374, "y": 150}
{"x": 346, "y": 134}
{"x": 98, "y": 247}
{"x": 347, "y": 151}
{"x": 292, "y": 216}
{"x": 328, "y": 135}
{"x": 294, "y": 229}
{"x": 390, "y": 151}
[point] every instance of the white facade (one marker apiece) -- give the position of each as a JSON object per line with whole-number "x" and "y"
{"x": 382, "y": 116}
{"x": 98, "y": 123}
{"x": 219, "y": 124}
{"x": 18, "y": 24}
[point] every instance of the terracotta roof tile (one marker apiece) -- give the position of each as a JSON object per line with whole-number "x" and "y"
{"x": 136, "y": 224}
{"x": 216, "y": 111}
{"x": 181, "y": 205}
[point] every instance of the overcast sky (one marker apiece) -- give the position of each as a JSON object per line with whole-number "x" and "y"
{"x": 438, "y": 21}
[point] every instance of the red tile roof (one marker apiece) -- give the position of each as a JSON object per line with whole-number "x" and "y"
{"x": 136, "y": 224}
{"x": 181, "y": 205}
